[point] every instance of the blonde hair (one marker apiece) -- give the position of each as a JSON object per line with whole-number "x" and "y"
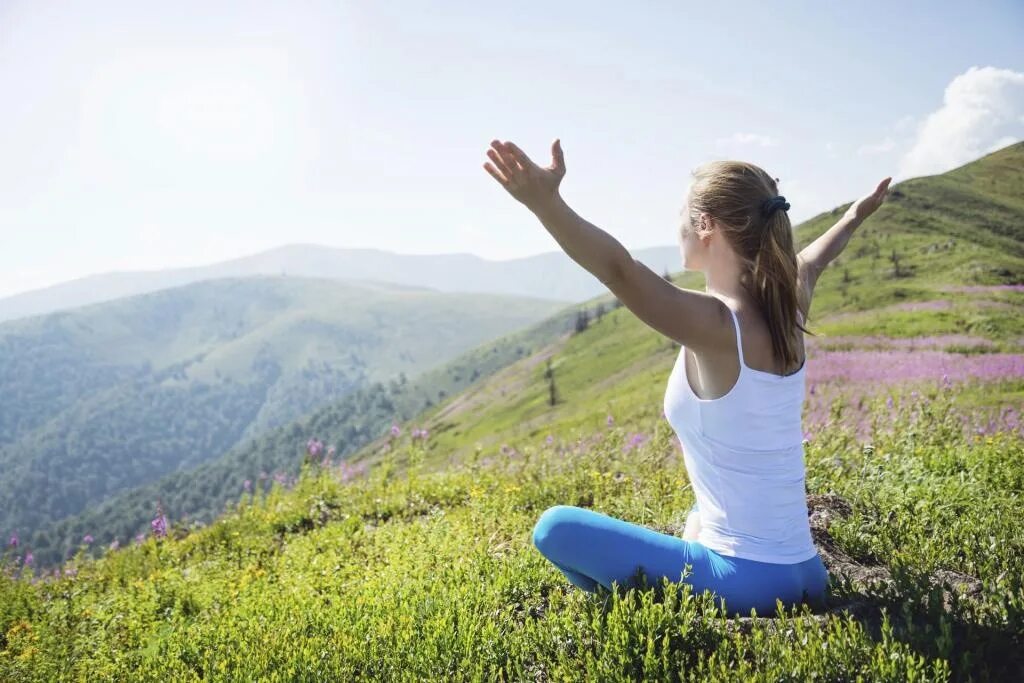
{"x": 733, "y": 193}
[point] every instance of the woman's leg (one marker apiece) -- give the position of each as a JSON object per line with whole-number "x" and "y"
{"x": 592, "y": 548}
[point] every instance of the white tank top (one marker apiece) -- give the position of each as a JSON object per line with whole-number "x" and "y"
{"x": 745, "y": 458}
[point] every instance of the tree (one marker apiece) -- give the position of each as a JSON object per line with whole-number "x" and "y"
{"x": 549, "y": 374}
{"x": 582, "y": 320}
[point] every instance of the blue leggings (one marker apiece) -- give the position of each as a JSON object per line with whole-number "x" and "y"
{"x": 592, "y": 548}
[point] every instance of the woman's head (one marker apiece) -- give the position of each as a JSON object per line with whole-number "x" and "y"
{"x": 726, "y": 221}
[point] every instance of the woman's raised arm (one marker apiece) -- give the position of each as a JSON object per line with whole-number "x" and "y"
{"x": 694, "y": 319}
{"x": 815, "y": 256}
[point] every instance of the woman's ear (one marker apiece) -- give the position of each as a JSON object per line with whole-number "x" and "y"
{"x": 706, "y": 227}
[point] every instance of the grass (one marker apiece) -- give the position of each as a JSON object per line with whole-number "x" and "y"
{"x": 415, "y": 575}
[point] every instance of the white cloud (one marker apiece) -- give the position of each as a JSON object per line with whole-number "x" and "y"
{"x": 748, "y": 139}
{"x": 882, "y": 147}
{"x": 981, "y": 108}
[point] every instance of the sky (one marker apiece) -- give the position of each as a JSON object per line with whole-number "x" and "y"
{"x": 149, "y": 135}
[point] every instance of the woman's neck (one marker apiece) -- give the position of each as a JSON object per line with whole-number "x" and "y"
{"x": 724, "y": 282}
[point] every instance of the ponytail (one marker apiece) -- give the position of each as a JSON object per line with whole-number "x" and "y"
{"x": 743, "y": 199}
{"x": 773, "y": 285}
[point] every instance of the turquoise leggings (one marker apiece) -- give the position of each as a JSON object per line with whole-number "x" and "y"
{"x": 592, "y": 548}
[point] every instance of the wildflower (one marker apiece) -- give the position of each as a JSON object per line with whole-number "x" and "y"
{"x": 70, "y": 571}
{"x": 888, "y": 401}
{"x": 395, "y": 431}
{"x": 13, "y": 543}
{"x": 29, "y": 558}
{"x": 610, "y": 421}
{"x": 87, "y": 539}
{"x": 139, "y": 538}
{"x": 550, "y": 439}
{"x": 247, "y": 485}
{"x": 115, "y": 545}
{"x": 314, "y": 447}
{"x": 159, "y": 524}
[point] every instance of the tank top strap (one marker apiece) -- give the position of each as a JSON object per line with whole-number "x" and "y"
{"x": 739, "y": 339}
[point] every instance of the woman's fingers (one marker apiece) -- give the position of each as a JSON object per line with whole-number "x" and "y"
{"x": 506, "y": 155}
{"x": 519, "y": 156}
{"x": 557, "y": 156}
{"x": 494, "y": 172}
{"x": 502, "y": 164}
{"x": 882, "y": 187}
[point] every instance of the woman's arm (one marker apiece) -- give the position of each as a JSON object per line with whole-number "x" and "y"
{"x": 697, "y": 320}
{"x": 822, "y": 251}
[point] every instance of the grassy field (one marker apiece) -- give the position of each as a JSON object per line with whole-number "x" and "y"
{"x": 413, "y": 575}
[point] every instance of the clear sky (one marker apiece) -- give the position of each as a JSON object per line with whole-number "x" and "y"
{"x": 146, "y": 135}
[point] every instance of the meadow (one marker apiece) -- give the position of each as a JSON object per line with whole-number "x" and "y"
{"x": 397, "y": 573}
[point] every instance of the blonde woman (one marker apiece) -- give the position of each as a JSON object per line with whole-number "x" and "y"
{"x": 734, "y": 397}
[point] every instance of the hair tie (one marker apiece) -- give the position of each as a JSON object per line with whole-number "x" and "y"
{"x": 769, "y": 206}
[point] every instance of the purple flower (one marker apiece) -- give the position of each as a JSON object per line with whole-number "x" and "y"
{"x": 139, "y": 538}
{"x": 610, "y": 421}
{"x": 635, "y": 441}
{"x": 550, "y": 440}
{"x": 13, "y": 543}
{"x": 395, "y": 431}
{"x": 247, "y": 485}
{"x": 29, "y": 558}
{"x": 70, "y": 571}
{"x": 888, "y": 402}
{"x": 87, "y": 539}
{"x": 159, "y": 524}
{"x": 115, "y": 545}
{"x": 314, "y": 447}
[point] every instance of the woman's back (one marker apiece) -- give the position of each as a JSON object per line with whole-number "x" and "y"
{"x": 744, "y": 454}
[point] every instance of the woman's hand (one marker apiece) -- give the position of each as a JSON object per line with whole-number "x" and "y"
{"x": 526, "y": 181}
{"x": 866, "y": 205}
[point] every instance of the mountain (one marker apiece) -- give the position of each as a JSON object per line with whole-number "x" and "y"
{"x": 553, "y": 276}
{"x": 115, "y": 395}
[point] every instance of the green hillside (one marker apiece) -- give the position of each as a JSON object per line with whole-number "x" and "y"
{"x": 113, "y": 396}
{"x": 423, "y": 568}
{"x": 200, "y": 494}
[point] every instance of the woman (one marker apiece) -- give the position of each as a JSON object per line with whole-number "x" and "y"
{"x": 734, "y": 397}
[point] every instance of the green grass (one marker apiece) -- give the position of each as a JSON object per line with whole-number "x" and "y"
{"x": 415, "y": 575}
